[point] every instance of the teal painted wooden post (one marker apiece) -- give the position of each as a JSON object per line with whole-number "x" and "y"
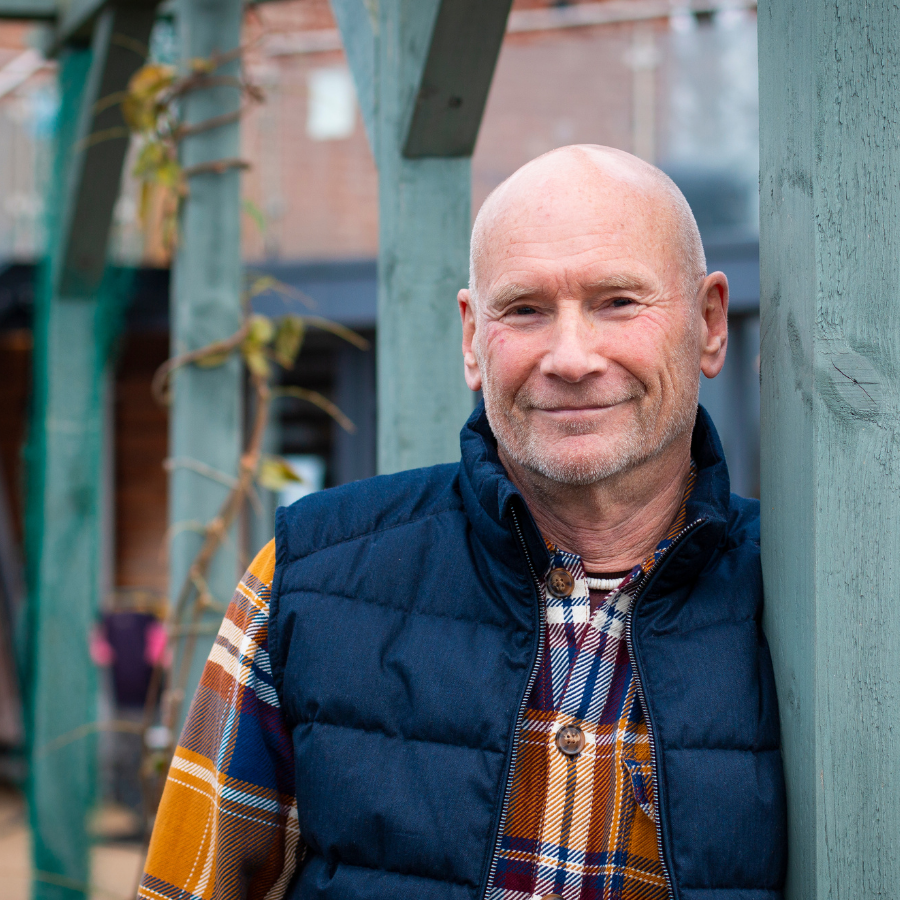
{"x": 205, "y": 422}
{"x": 830, "y": 332}
{"x": 75, "y": 322}
{"x": 422, "y": 74}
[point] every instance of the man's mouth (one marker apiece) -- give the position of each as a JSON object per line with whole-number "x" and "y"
{"x": 571, "y": 409}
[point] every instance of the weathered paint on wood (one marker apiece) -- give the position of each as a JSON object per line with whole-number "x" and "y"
{"x": 92, "y": 186}
{"x": 453, "y": 88}
{"x": 206, "y": 413}
{"x": 357, "y": 25}
{"x": 830, "y": 334}
{"x": 28, "y": 9}
{"x": 424, "y": 210}
{"x": 73, "y": 330}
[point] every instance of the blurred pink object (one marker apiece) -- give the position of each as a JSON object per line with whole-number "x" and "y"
{"x": 157, "y": 645}
{"x": 101, "y": 650}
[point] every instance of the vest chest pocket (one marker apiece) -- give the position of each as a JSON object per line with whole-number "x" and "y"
{"x": 640, "y": 776}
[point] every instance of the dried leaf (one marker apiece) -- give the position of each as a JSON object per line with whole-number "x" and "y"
{"x": 255, "y": 213}
{"x": 261, "y": 285}
{"x": 276, "y": 473}
{"x": 202, "y": 66}
{"x": 260, "y": 332}
{"x": 151, "y": 156}
{"x": 141, "y": 107}
{"x": 288, "y": 339}
{"x": 169, "y": 174}
{"x": 211, "y": 360}
{"x": 261, "y": 329}
{"x": 146, "y": 200}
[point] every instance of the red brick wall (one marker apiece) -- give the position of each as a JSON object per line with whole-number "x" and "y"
{"x": 141, "y": 446}
{"x": 320, "y": 197}
{"x": 15, "y": 384}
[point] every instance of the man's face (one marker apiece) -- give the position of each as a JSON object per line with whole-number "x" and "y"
{"x": 582, "y": 339}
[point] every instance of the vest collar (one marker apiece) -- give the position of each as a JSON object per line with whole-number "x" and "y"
{"x": 489, "y": 494}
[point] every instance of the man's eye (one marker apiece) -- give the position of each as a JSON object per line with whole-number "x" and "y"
{"x": 622, "y": 301}
{"x": 525, "y": 311}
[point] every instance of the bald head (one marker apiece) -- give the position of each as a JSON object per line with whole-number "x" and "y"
{"x": 599, "y": 179}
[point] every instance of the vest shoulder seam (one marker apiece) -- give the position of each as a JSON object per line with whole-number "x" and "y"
{"x": 756, "y": 751}
{"x": 465, "y": 884}
{"x": 364, "y": 534}
{"x": 683, "y": 632}
{"x": 399, "y": 609}
{"x": 397, "y": 737}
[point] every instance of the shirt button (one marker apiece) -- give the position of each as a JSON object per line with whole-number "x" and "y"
{"x": 560, "y": 583}
{"x": 570, "y": 740}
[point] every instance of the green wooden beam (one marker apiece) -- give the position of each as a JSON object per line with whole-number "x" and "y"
{"x": 830, "y": 326}
{"x": 29, "y": 9}
{"x": 399, "y": 53}
{"x": 76, "y": 19}
{"x": 357, "y": 26}
{"x": 74, "y": 327}
{"x": 465, "y": 41}
{"x": 206, "y": 413}
{"x": 94, "y": 182}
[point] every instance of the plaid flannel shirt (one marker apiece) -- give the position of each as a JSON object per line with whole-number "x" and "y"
{"x": 579, "y": 826}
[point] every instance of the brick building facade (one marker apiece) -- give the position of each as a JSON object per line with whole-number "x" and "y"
{"x": 601, "y": 71}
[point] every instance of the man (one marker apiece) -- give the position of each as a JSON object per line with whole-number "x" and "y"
{"x": 538, "y": 673}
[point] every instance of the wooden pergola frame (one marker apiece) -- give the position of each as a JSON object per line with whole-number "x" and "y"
{"x": 830, "y": 95}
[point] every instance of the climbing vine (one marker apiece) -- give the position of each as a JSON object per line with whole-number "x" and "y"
{"x": 152, "y": 110}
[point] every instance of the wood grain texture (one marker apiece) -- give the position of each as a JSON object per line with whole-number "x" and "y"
{"x": 400, "y": 52}
{"x": 423, "y": 260}
{"x": 358, "y": 36}
{"x": 830, "y": 345}
{"x": 75, "y": 322}
{"x": 94, "y": 171}
{"x": 205, "y": 423}
{"x": 456, "y": 76}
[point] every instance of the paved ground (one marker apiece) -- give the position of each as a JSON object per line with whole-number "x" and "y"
{"x": 114, "y": 866}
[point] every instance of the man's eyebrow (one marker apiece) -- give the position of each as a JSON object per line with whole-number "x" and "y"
{"x": 615, "y": 283}
{"x": 510, "y": 292}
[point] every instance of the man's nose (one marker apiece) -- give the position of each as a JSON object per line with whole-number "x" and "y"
{"x": 575, "y": 349}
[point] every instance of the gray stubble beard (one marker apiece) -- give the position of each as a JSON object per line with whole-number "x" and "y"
{"x": 521, "y": 445}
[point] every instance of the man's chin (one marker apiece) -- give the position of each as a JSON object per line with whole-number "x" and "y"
{"x": 580, "y": 459}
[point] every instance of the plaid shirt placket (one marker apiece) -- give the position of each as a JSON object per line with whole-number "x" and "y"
{"x": 575, "y": 825}
{"x": 585, "y": 826}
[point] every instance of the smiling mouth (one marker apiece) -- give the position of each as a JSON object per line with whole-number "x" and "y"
{"x": 569, "y": 410}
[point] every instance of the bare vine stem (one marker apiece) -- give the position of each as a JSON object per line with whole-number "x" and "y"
{"x": 195, "y": 581}
{"x": 215, "y": 166}
{"x": 160, "y": 382}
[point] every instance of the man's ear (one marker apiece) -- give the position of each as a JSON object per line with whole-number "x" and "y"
{"x": 467, "y": 313}
{"x": 713, "y": 300}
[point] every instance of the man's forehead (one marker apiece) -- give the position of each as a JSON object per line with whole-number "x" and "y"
{"x": 584, "y": 203}
{"x": 583, "y": 233}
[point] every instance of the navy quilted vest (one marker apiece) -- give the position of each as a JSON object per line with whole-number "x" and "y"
{"x": 404, "y": 627}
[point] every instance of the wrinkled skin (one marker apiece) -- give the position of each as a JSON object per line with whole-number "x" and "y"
{"x": 588, "y": 338}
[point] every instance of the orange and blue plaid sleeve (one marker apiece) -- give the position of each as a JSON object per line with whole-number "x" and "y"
{"x": 227, "y": 823}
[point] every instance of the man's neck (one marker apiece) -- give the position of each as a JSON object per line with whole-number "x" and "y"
{"x": 613, "y": 524}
